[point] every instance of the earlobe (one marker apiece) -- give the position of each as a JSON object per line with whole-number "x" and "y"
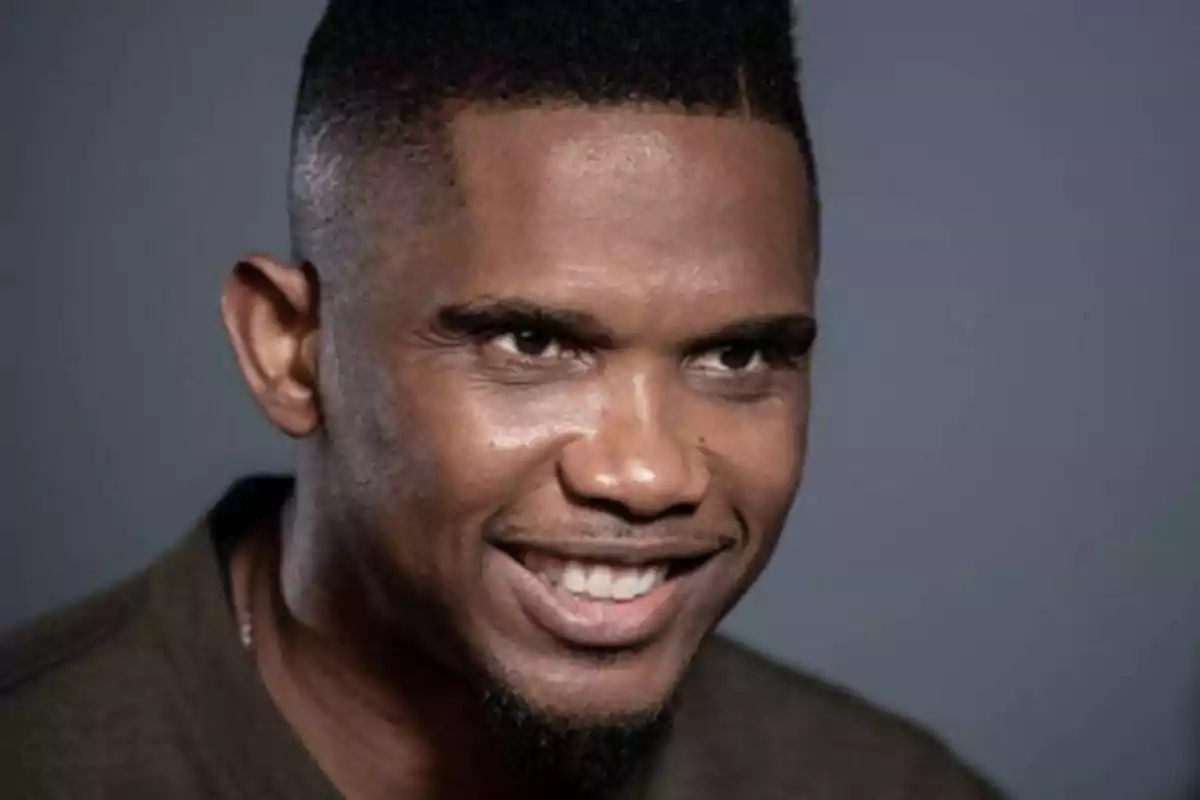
{"x": 270, "y": 312}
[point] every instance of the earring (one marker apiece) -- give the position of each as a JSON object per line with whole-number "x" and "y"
{"x": 246, "y": 631}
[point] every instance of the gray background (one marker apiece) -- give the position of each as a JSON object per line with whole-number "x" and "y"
{"x": 998, "y": 534}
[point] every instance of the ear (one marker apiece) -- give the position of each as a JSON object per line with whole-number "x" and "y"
{"x": 270, "y": 311}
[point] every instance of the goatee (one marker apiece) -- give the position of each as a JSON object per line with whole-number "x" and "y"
{"x": 556, "y": 756}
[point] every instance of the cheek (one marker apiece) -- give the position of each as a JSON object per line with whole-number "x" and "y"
{"x": 761, "y": 453}
{"x": 487, "y": 446}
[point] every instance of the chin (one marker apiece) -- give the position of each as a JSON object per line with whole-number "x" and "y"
{"x": 592, "y": 686}
{"x": 572, "y": 744}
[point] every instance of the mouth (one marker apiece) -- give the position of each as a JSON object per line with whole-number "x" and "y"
{"x": 605, "y": 580}
{"x": 606, "y": 597}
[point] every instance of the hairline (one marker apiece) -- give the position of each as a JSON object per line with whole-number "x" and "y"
{"x": 422, "y": 143}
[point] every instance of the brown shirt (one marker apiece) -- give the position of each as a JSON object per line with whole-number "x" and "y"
{"x": 145, "y": 692}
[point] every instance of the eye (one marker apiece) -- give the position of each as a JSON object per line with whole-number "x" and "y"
{"x": 529, "y": 343}
{"x": 743, "y": 358}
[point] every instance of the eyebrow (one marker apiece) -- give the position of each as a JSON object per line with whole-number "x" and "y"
{"x": 794, "y": 331}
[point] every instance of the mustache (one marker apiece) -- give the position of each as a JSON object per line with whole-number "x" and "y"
{"x": 500, "y": 527}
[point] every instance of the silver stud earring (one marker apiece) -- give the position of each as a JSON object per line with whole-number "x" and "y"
{"x": 246, "y": 631}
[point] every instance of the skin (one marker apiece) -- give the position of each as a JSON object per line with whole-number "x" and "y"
{"x": 434, "y": 426}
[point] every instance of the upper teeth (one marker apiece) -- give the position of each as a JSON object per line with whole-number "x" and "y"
{"x": 604, "y": 581}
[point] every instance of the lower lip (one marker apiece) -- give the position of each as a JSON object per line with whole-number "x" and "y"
{"x": 583, "y": 622}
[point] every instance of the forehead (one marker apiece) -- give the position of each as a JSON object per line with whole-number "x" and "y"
{"x": 642, "y": 201}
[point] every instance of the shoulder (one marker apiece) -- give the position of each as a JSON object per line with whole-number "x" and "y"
{"x": 79, "y": 689}
{"x": 749, "y": 721}
{"x": 65, "y": 638}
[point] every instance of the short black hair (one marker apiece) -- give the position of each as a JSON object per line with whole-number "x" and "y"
{"x": 377, "y": 73}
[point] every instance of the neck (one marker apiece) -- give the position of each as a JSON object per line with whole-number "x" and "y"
{"x": 378, "y": 724}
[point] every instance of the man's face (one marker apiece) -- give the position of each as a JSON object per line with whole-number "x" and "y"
{"x": 569, "y": 423}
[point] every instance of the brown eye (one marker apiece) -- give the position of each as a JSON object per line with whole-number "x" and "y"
{"x": 731, "y": 359}
{"x": 529, "y": 343}
{"x": 737, "y": 357}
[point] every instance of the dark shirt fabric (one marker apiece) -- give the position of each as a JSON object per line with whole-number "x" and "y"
{"x": 144, "y": 691}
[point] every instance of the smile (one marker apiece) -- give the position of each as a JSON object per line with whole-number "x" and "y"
{"x": 596, "y": 581}
{"x": 604, "y": 596}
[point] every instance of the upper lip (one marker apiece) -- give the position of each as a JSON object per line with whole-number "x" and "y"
{"x": 632, "y": 553}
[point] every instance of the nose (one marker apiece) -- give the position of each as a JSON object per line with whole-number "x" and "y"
{"x": 636, "y": 458}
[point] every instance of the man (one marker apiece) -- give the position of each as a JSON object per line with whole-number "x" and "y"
{"x": 544, "y": 339}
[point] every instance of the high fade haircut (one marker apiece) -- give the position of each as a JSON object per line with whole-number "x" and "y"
{"x": 379, "y": 76}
